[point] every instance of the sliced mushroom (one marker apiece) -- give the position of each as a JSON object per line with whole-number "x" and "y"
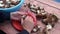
{"x": 14, "y": 2}
{"x": 45, "y": 31}
{"x": 41, "y": 16}
{"x": 1, "y": 2}
{"x": 1, "y": 5}
{"x": 32, "y": 7}
{"x": 51, "y": 19}
{"x": 39, "y": 26}
{"x": 49, "y": 27}
{"x": 8, "y": 3}
{"x": 54, "y": 18}
{"x": 36, "y": 29}
{"x": 38, "y": 11}
{"x": 33, "y": 10}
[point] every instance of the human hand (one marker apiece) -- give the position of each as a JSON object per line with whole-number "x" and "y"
{"x": 16, "y": 15}
{"x": 28, "y": 24}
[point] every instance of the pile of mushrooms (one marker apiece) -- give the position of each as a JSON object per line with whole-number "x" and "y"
{"x": 47, "y": 18}
{"x": 8, "y": 3}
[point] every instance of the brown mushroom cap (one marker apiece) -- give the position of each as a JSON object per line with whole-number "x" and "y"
{"x": 51, "y": 19}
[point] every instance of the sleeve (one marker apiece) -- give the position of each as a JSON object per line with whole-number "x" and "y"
{"x": 4, "y": 16}
{"x": 24, "y": 32}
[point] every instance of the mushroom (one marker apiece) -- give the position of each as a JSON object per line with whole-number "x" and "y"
{"x": 54, "y": 18}
{"x": 14, "y": 2}
{"x": 49, "y": 27}
{"x": 8, "y": 3}
{"x": 45, "y": 31}
{"x": 41, "y": 13}
{"x": 39, "y": 26}
{"x": 1, "y": 2}
{"x": 36, "y": 29}
{"x": 32, "y": 7}
{"x": 1, "y": 5}
{"x": 51, "y": 19}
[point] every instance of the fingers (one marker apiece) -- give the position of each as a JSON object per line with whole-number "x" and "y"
{"x": 22, "y": 21}
{"x": 29, "y": 19}
{"x": 18, "y": 12}
{"x": 16, "y": 15}
{"x": 28, "y": 23}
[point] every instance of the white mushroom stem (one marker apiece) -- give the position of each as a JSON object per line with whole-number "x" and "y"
{"x": 32, "y": 6}
{"x": 1, "y": 2}
{"x": 1, "y": 5}
{"x": 12, "y": 5}
{"x": 34, "y": 30}
{"x": 38, "y": 11}
{"x": 49, "y": 27}
{"x": 33, "y": 10}
{"x": 39, "y": 26}
{"x": 44, "y": 13}
{"x": 8, "y": 1}
{"x": 6, "y": 6}
{"x": 15, "y": 0}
